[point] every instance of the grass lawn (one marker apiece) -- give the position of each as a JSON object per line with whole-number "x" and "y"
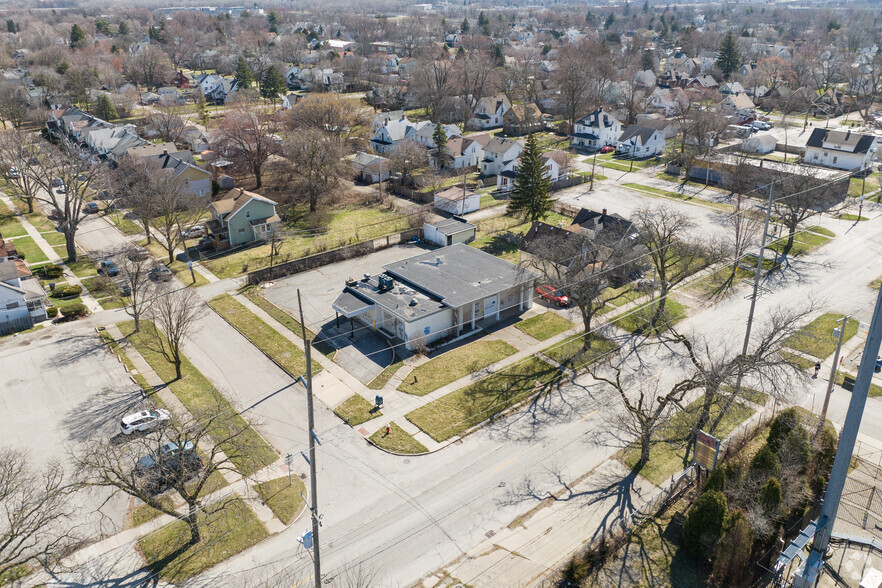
{"x": 720, "y": 281}
{"x": 194, "y": 391}
{"x": 397, "y": 441}
{"x": 544, "y": 326}
{"x": 264, "y": 337}
{"x": 145, "y": 513}
{"x": 101, "y": 287}
{"x": 623, "y": 163}
{"x": 869, "y": 186}
{"x": 178, "y": 266}
{"x": 617, "y": 297}
{"x": 491, "y": 233}
{"x": 804, "y": 242}
{"x": 453, "y": 365}
{"x": 31, "y": 330}
{"x": 650, "y": 191}
{"x": 570, "y": 352}
{"x": 288, "y": 321}
{"x": 344, "y": 226}
{"x": 54, "y": 238}
{"x": 875, "y": 389}
{"x": 489, "y": 200}
{"x": 124, "y": 222}
{"x": 283, "y": 497}
{"x": 41, "y": 223}
{"x": 83, "y": 268}
{"x": 29, "y": 250}
{"x": 821, "y": 231}
{"x": 357, "y": 410}
{"x": 228, "y": 528}
{"x": 380, "y": 381}
{"x": 9, "y": 225}
{"x": 817, "y": 339}
{"x": 653, "y": 555}
{"x": 462, "y": 409}
{"x": 637, "y": 321}
{"x": 803, "y": 362}
{"x": 15, "y": 573}
{"x": 852, "y": 217}
{"x": 666, "y": 456}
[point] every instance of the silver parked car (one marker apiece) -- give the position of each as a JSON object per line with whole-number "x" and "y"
{"x": 143, "y": 421}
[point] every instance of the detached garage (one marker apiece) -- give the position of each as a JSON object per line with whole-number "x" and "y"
{"x": 449, "y": 231}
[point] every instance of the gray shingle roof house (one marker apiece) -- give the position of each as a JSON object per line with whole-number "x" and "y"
{"x": 840, "y": 149}
{"x": 241, "y": 217}
{"x": 438, "y": 294}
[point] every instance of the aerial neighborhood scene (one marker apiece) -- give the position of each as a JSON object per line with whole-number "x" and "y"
{"x": 455, "y": 294}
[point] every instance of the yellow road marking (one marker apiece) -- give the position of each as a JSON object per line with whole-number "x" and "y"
{"x": 588, "y": 415}
{"x": 503, "y": 465}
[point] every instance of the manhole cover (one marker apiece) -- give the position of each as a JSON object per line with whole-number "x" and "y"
{"x": 406, "y": 461}
{"x": 489, "y": 534}
{"x": 302, "y": 476}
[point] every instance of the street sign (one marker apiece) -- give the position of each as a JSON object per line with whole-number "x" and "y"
{"x": 706, "y": 450}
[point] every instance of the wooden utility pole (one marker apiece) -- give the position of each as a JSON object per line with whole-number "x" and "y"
{"x": 313, "y": 486}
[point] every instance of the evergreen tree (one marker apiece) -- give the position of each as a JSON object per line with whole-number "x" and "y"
{"x": 201, "y": 107}
{"x": 102, "y": 26}
{"x": 273, "y": 19}
{"x": 243, "y": 74}
{"x": 609, "y": 20}
{"x": 498, "y": 54}
{"x": 10, "y": 26}
{"x": 272, "y": 84}
{"x": 77, "y": 36}
{"x": 123, "y": 29}
{"x": 530, "y": 195}
{"x": 729, "y": 58}
{"x": 464, "y": 28}
{"x": 483, "y": 20}
{"x": 104, "y": 108}
{"x": 62, "y": 67}
{"x": 440, "y": 152}
{"x": 590, "y": 19}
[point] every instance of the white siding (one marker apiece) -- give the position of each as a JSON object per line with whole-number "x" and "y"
{"x": 425, "y": 331}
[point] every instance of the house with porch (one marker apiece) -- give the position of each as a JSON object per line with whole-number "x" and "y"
{"x": 464, "y": 152}
{"x": 595, "y": 131}
{"x": 22, "y": 299}
{"x": 241, "y": 217}
{"x": 640, "y": 141}
{"x": 489, "y": 112}
{"x": 522, "y": 119}
{"x": 498, "y": 154}
{"x": 437, "y": 294}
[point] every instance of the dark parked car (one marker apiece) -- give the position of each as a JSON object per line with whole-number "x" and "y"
{"x": 157, "y": 469}
{"x": 552, "y": 294}
{"x": 108, "y": 267}
{"x": 91, "y": 208}
{"x": 161, "y": 273}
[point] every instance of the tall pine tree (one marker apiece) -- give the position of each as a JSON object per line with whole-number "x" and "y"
{"x": 104, "y": 108}
{"x": 272, "y": 84}
{"x": 440, "y": 152}
{"x": 77, "y": 36}
{"x": 243, "y": 74}
{"x": 530, "y": 195}
{"x": 729, "y": 57}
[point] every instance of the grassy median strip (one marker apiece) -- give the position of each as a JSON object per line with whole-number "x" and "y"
{"x": 453, "y": 365}
{"x": 666, "y": 456}
{"x": 283, "y": 497}
{"x": 638, "y": 321}
{"x": 652, "y": 191}
{"x": 462, "y": 409}
{"x": 228, "y": 527}
{"x": 195, "y": 393}
{"x": 397, "y": 441}
{"x": 573, "y": 354}
{"x": 264, "y": 337}
{"x": 817, "y": 338}
{"x": 544, "y": 326}
{"x": 357, "y": 410}
{"x": 288, "y": 321}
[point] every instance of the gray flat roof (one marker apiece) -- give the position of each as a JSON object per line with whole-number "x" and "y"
{"x": 452, "y": 226}
{"x": 363, "y": 294}
{"x": 459, "y": 274}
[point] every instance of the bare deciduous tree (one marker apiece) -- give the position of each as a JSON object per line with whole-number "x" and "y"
{"x": 800, "y": 197}
{"x": 134, "y": 272}
{"x": 168, "y": 122}
{"x": 35, "y": 512}
{"x": 583, "y": 72}
{"x": 14, "y": 105}
{"x": 317, "y": 164}
{"x": 341, "y": 118}
{"x": 149, "y": 66}
{"x": 174, "y": 313}
{"x": 18, "y": 150}
{"x": 248, "y": 136}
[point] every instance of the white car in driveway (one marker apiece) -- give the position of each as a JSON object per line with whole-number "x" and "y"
{"x": 143, "y": 421}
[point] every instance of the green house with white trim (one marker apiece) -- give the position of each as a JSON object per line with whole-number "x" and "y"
{"x": 241, "y": 217}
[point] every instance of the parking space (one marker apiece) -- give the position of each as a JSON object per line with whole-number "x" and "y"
{"x": 320, "y": 287}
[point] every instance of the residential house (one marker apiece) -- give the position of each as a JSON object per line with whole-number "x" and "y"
{"x": 522, "y": 119}
{"x": 669, "y": 128}
{"x": 22, "y": 299}
{"x": 381, "y": 118}
{"x": 596, "y": 130}
{"x": 640, "y": 141}
{"x": 452, "y": 39}
{"x": 449, "y": 231}
{"x": 425, "y": 130}
{"x": 219, "y": 93}
{"x": 555, "y": 170}
{"x": 438, "y": 294}
{"x": 499, "y": 153}
{"x": 241, "y": 217}
{"x": 840, "y": 149}
{"x": 732, "y": 88}
{"x": 703, "y": 82}
{"x": 457, "y": 200}
{"x": 392, "y": 133}
{"x": 489, "y": 112}
{"x": 195, "y": 180}
{"x": 181, "y": 80}
{"x": 290, "y": 100}
{"x": 371, "y": 168}
{"x": 739, "y": 105}
{"x": 170, "y": 95}
{"x": 464, "y": 152}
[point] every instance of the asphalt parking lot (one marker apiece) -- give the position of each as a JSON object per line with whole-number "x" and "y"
{"x": 320, "y": 287}
{"x": 59, "y": 386}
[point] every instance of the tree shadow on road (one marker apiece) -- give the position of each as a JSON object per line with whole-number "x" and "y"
{"x": 69, "y": 350}
{"x": 102, "y": 412}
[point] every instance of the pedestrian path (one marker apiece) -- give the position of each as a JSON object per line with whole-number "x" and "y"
{"x": 50, "y": 252}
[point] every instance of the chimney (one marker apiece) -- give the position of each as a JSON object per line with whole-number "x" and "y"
{"x": 847, "y": 134}
{"x": 165, "y": 151}
{"x": 604, "y": 212}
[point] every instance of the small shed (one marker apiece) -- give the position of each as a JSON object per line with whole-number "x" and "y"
{"x": 449, "y": 231}
{"x": 762, "y": 143}
{"x": 457, "y": 200}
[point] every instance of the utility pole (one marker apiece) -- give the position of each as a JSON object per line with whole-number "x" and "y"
{"x": 807, "y": 575}
{"x": 313, "y": 486}
{"x": 593, "y": 165}
{"x": 186, "y": 251}
{"x": 833, "y": 372}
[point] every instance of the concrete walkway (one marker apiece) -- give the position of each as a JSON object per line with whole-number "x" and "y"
{"x": 88, "y": 300}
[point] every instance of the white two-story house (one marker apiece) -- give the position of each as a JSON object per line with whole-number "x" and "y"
{"x": 640, "y": 141}
{"x": 555, "y": 170}
{"x": 390, "y": 134}
{"x": 464, "y": 152}
{"x": 489, "y": 112}
{"x": 596, "y": 130}
{"x": 840, "y": 149}
{"x": 499, "y": 153}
